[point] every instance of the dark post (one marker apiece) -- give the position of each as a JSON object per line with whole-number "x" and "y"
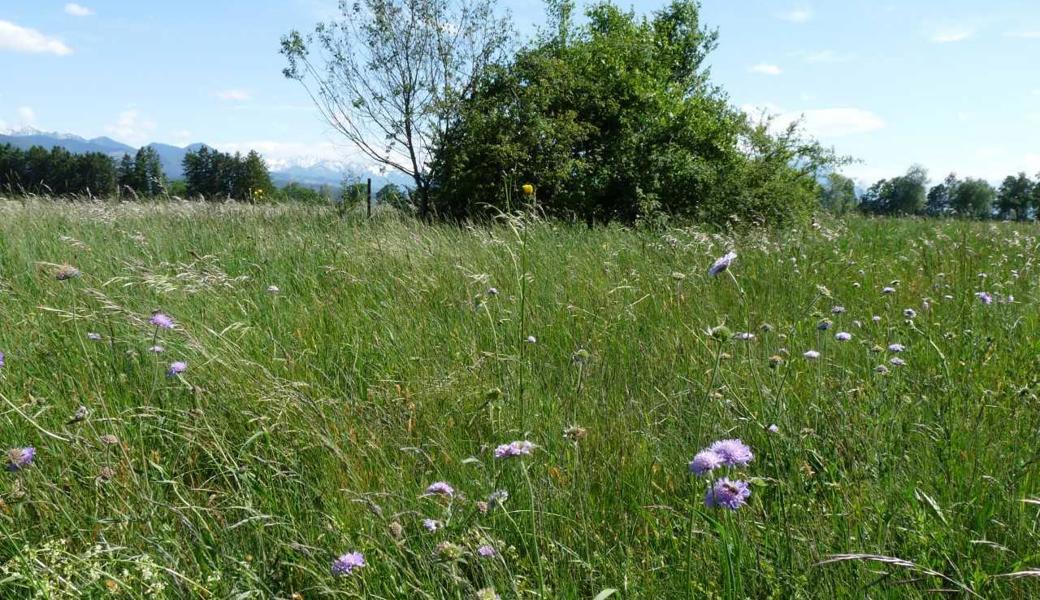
{"x": 369, "y": 196}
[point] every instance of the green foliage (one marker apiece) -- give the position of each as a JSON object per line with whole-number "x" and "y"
{"x": 142, "y": 175}
{"x": 56, "y": 172}
{"x": 311, "y": 419}
{"x": 216, "y": 175}
{"x": 297, "y": 192}
{"x": 614, "y": 117}
{"x": 940, "y": 201}
{"x": 903, "y": 195}
{"x": 838, "y": 195}
{"x": 973, "y": 198}
{"x": 396, "y": 197}
{"x": 1016, "y": 196}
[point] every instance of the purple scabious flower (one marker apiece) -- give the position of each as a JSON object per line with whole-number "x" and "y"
{"x": 487, "y": 551}
{"x": 726, "y": 493}
{"x": 811, "y": 354}
{"x": 94, "y": 337}
{"x": 722, "y": 263}
{"x": 176, "y": 368}
{"x": 984, "y": 297}
{"x": 896, "y": 361}
{"x": 440, "y": 488}
{"x": 156, "y": 349}
{"x": 824, "y": 325}
{"x": 746, "y": 336}
{"x": 1, "y": 359}
{"x": 497, "y": 498}
{"x": 888, "y": 290}
{"x": 517, "y": 448}
{"x": 773, "y": 428}
{"x": 909, "y": 313}
{"x": 843, "y": 336}
{"x": 431, "y": 524}
{"x": 734, "y": 453}
{"x": 837, "y": 310}
{"x": 705, "y": 462}
{"x": 161, "y": 320}
{"x": 348, "y": 563}
{"x": 896, "y": 348}
{"x": 20, "y": 458}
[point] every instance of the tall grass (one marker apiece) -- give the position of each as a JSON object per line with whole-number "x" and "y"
{"x": 311, "y": 420}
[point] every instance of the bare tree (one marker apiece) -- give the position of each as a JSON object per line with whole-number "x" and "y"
{"x": 390, "y": 74}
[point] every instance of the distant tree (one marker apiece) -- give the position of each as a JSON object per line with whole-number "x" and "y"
{"x": 973, "y": 198}
{"x": 838, "y": 194}
{"x": 939, "y": 197}
{"x": 255, "y": 181}
{"x": 1015, "y": 195}
{"x": 390, "y": 75}
{"x": 396, "y": 197}
{"x": 296, "y": 192}
{"x": 215, "y": 175}
{"x": 903, "y": 195}
{"x": 95, "y": 175}
{"x": 125, "y": 174}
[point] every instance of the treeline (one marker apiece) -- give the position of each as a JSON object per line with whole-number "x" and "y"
{"x": 1017, "y": 197}
{"x": 216, "y": 175}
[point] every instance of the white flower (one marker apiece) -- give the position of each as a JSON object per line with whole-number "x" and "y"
{"x": 811, "y": 354}
{"x": 843, "y": 336}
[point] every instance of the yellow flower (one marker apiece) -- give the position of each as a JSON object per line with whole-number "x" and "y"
{"x": 528, "y": 189}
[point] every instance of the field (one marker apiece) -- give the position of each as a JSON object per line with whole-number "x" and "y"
{"x": 311, "y": 419}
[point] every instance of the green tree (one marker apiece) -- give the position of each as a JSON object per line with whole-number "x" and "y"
{"x": 390, "y": 75}
{"x": 973, "y": 198}
{"x": 255, "y": 180}
{"x": 1015, "y": 195}
{"x": 395, "y": 197}
{"x": 838, "y": 195}
{"x": 903, "y": 195}
{"x": 939, "y": 200}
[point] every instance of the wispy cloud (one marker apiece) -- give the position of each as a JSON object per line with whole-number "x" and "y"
{"x": 16, "y": 38}
{"x": 1031, "y": 35}
{"x": 822, "y": 122}
{"x": 131, "y": 127}
{"x": 234, "y": 95}
{"x": 766, "y": 69}
{"x": 951, "y": 33}
{"x": 799, "y": 14}
{"x": 77, "y": 10}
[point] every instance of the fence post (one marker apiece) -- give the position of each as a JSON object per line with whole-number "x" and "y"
{"x": 370, "y": 197}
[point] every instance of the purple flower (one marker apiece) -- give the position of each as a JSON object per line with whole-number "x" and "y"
{"x": 824, "y": 325}
{"x": 909, "y": 313}
{"x": 161, "y": 320}
{"x": 345, "y": 564}
{"x": 440, "y": 488}
{"x": 984, "y": 297}
{"x": 896, "y": 347}
{"x": 176, "y": 368}
{"x": 773, "y": 428}
{"x": 837, "y": 310}
{"x": 487, "y": 551}
{"x": 705, "y": 462}
{"x": 156, "y": 349}
{"x": 20, "y": 458}
{"x": 497, "y": 498}
{"x": 745, "y": 336}
{"x": 93, "y": 336}
{"x": 811, "y": 354}
{"x": 1, "y": 359}
{"x": 517, "y": 448}
{"x": 896, "y": 361}
{"x": 431, "y": 524}
{"x": 843, "y": 336}
{"x": 727, "y": 494}
{"x": 722, "y": 264}
{"x": 734, "y": 453}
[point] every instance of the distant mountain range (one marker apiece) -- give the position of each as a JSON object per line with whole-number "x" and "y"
{"x": 306, "y": 171}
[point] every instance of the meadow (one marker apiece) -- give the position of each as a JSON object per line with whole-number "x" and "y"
{"x": 350, "y": 386}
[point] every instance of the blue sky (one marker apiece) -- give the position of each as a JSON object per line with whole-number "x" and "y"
{"x": 950, "y": 84}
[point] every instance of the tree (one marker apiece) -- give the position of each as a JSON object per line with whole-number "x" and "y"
{"x": 939, "y": 197}
{"x": 394, "y": 196}
{"x": 838, "y": 195}
{"x": 903, "y": 195}
{"x": 125, "y": 174}
{"x": 973, "y": 198}
{"x": 390, "y": 75}
{"x": 255, "y": 179}
{"x": 613, "y": 118}
{"x": 1016, "y": 194}
{"x": 216, "y": 175}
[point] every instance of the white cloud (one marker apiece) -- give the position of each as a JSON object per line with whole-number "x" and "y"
{"x": 77, "y": 10}
{"x": 951, "y": 33}
{"x": 280, "y": 155}
{"x": 800, "y": 14}
{"x": 1031, "y": 35}
{"x": 131, "y": 127}
{"x": 822, "y": 122}
{"x": 26, "y": 115}
{"x": 234, "y": 95}
{"x": 766, "y": 69}
{"x": 23, "y": 39}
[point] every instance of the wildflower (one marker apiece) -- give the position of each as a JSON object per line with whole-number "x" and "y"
{"x": 888, "y": 290}
{"x": 875, "y": 319}
{"x": 497, "y": 498}
{"x": 984, "y": 297}
{"x": 66, "y": 272}
{"x": 517, "y": 448}
{"x": 482, "y": 507}
{"x": 528, "y": 189}
{"x": 896, "y": 361}
{"x": 705, "y": 462}
{"x": 727, "y": 494}
{"x": 776, "y": 360}
{"x": 176, "y": 368}
{"x": 773, "y": 428}
{"x": 105, "y": 475}
{"x": 273, "y": 289}
{"x": 881, "y": 370}
{"x": 746, "y": 336}
{"x": 161, "y": 320}
{"x": 575, "y": 433}
{"x": 156, "y": 349}
{"x": 811, "y": 354}
{"x": 448, "y": 551}
{"x": 93, "y": 336}
{"x": 440, "y": 488}
{"x": 492, "y": 291}
{"x": 720, "y": 333}
{"x": 722, "y": 263}
{"x": 487, "y": 594}
{"x": 431, "y": 524}
{"x": 824, "y": 325}
{"x": 487, "y": 551}
{"x": 1, "y": 359}
{"x": 531, "y": 339}
{"x": 909, "y": 313}
{"x": 347, "y": 563}
{"x": 843, "y": 336}
{"x": 109, "y": 440}
{"x": 734, "y": 453}
{"x": 837, "y": 310}
{"x": 396, "y": 530}
{"x": 80, "y": 414}
{"x": 896, "y": 347}
{"x": 20, "y": 458}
